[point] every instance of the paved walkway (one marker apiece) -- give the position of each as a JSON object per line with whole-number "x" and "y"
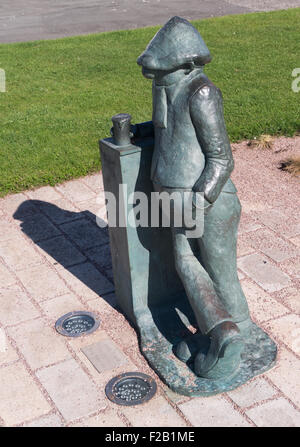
{"x": 50, "y": 19}
{"x": 54, "y": 259}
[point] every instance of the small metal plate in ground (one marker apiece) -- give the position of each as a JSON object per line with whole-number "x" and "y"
{"x": 130, "y": 389}
{"x": 77, "y": 323}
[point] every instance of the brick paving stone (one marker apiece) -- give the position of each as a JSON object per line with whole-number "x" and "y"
{"x": 100, "y": 255}
{"x": 96, "y": 212}
{"x": 71, "y": 389}
{"x": 16, "y": 287}
{"x": 18, "y": 206}
{"x": 42, "y": 282}
{"x": 296, "y": 241}
{"x": 45, "y": 193}
{"x": 272, "y": 218}
{"x": 280, "y": 221}
{"x": 52, "y": 420}
{"x": 107, "y": 419}
{"x": 37, "y": 227}
{"x": 110, "y": 274}
{"x": 249, "y": 206}
{"x": 291, "y": 230}
{"x": 252, "y": 393}
{"x": 290, "y": 297}
{"x": 101, "y": 379}
{"x": 101, "y": 303}
{"x": 76, "y": 284}
{"x": 272, "y": 245}
{"x": 40, "y": 344}
{"x": 243, "y": 247}
{"x": 261, "y": 305}
{"x": 213, "y": 411}
{"x": 291, "y": 267}
{"x": 60, "y": 211}
{"x": 76, "y": 190}
{"x": 95, "y": 182}
{"x": 95, "y": 209}
{"x": 285, "y": 375}
{"x": 7, "y": 353}
{"x": 247, "y": 224}
{"x": 98, "y": 215}
{"x": 84, "y": 233}
{"x": 104, "y": 355}
{"x": 6, "y": 277}
{"x": 8, "y": 230}
{"x": 265, "y": 274}
{"x": 18, "y": 253}
{"x": 59, "y": 250}
{"x": 78, "y": 343}
{"x": 116, "y": 326}
{"x": 275, "y": 413}
{"x": 16, "y": 307}
{"x": 91, "y": 207}
{"x": 155, "y": 413}
{"x": 86, "y": 281}
{"x": 93, "y": 204}
{"x": 20, "y": 398}
{"x": 61, "y": 305}
{"x": 287, "y": 329}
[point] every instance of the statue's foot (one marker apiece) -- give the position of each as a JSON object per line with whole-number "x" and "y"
{"x": 182, "y": 351}
{"x": 224, "y": 354}
{"x": 186, "y": 349}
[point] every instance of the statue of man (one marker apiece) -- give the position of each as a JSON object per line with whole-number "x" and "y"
{"x": 192, "y": 153}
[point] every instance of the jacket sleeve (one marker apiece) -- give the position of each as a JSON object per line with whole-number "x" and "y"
{"x": 145, "y": 129}
{"x": 206, "y": 108}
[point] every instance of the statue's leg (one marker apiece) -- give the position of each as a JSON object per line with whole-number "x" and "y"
{"x": 218, "y": 254}
{"x": 207, "y": 306}
{"x": 226, "y": 344}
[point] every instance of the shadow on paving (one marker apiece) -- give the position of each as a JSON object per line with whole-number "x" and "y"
{"x": 73, "y": 240}
{"x": 81, "y": 247}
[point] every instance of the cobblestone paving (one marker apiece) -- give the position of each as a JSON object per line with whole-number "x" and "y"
{"x": 55, "y": 259}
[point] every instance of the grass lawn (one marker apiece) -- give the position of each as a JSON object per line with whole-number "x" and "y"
{"x": 62, "y": 94}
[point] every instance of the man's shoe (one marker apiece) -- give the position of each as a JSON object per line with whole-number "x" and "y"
{"x": 224, "y": 354}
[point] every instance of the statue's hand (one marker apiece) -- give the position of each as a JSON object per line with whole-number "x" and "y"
{"x": 142, "y": 130}
{"x": 200, "y": 202}
{"x": 200, "y": 208}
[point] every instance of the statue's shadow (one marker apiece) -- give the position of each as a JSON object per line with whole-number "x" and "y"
{"x": 73, "y": 240}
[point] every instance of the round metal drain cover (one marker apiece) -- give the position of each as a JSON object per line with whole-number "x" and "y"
{"x": 77, "y": 323}
{"x": 130, "y": 389}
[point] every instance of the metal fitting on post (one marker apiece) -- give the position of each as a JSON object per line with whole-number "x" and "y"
{"x": 121, "y": 129}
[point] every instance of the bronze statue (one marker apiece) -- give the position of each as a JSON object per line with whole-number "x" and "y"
{"x": 191, "y": 154}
